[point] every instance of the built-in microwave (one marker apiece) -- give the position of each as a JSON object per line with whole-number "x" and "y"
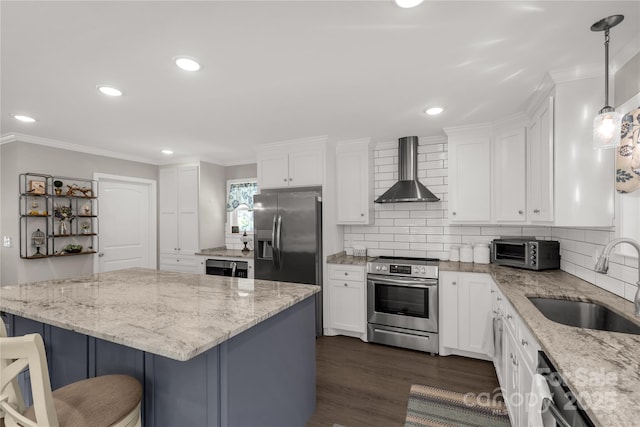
{"x": 526, "y": 252}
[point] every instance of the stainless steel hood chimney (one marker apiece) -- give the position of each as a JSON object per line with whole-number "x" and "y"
{"x": 408, "y": 188}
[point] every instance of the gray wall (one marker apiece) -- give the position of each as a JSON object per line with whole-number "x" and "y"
{"x": 20, "y": 157}
{"x": 627, "y": 81}
{"x": 242, "y": 171}
{"x": 212, "y": 215}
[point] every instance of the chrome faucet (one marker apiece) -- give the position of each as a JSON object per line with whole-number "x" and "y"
{"x": 602, "y": 265}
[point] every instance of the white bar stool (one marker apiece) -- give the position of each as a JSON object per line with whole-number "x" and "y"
{"x": 103, "y": 401}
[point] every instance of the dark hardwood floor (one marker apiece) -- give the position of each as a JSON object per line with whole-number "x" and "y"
{"x": 362, "y": 384}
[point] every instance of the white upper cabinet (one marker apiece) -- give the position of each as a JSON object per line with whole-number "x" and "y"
{"x": 469, "y": 174}
{"x": 179, "y": 209}
{"x": 540, "y": 164}
{"x": 584, "y": 178}
{"x": 293, "y": 164}
{"x": 354, "y": 182}
{"x": 509, "y": 173}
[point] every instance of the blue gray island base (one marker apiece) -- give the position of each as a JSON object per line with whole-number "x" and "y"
{"x": 263, "y": 377}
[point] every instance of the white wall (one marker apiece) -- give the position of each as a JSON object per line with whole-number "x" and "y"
{"x": 212, "y": 199}
{"x": 422, "y": 229}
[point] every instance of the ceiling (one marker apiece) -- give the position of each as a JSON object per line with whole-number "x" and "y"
{"x": 274, "y": 71}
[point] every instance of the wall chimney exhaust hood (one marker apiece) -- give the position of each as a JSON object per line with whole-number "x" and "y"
{"x": 408, "y": 188}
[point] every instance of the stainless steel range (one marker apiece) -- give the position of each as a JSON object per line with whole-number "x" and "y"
{"x": 402, "y": 302}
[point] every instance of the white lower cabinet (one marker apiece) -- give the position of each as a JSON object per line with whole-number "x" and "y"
{"x": 466, "y": 326}
{"x": 347, "y": 301}
{"x": 517, "y": 363}
{"x": 180, "y": 263}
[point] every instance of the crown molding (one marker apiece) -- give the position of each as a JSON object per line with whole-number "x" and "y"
{"x": 627, "y": 52}
{"x": 478, "y": 128}
{"x": 19, "y": 137}
{"x": 322, "y": 139}
{"x": 577, "y": 73}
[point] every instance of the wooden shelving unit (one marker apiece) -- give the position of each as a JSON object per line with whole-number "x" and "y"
{"x": 44, "y": 206}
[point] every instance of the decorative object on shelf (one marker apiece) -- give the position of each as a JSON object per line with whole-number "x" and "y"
{"x": 34, "y": 208}
{"x": 37, "y": 240}
{"x": 245, "y": 239}
{"x": 86, "y": 209}
{"x": 606, "y": 125}
{"x": 72, "y": 249}
{"x": 37, "y": 187}
{"x": 63, "y": 213}
{"x": 628, "y": 154}
{"x": 58, "y": 187}
{"x": 235, "y": 229}
{"x": 74, "y": 188}
{"x": 86, "y": 227}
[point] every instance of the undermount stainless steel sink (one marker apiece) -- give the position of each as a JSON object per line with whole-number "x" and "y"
{"x": 584, "y": 315}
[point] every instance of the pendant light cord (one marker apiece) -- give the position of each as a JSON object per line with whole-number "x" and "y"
{"x": 606, "y": 69}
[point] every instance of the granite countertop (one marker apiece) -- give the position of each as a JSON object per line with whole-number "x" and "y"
{"x": 343, "y": 258}
{"x": 224, "y": 252}
{"x": 176, "y": 315}
{"x": 602, "y": 368}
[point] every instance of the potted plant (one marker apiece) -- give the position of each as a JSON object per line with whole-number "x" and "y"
{"x": 58, "y": 187}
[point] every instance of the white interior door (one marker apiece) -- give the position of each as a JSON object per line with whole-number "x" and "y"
{"x": 127, "y": 214}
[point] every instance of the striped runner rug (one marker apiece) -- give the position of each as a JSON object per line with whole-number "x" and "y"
{"x": 434, "y": 407}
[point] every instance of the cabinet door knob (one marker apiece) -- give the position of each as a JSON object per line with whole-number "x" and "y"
{"x": 520, "y": 211}
{"x": 536, "y": 211}
{"x": 285, "y": 180}
{"x": 101, "y": 254}
{"x": 509, "y": 317}
{"x": 346, "y": 284}
{"x": 492, "y": 291}
{"x": 361, "y": 214}
{"x": 453, "y": 283}
{"x": 499, "y": 298}
{"x": 346, "y": 274}
{"x": 524, "y": 342}
{"x": 453, "y": 213}
{"x": 290, "y": 179}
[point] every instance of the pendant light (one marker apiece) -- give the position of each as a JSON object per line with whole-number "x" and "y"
{"x": 606, "y": 125}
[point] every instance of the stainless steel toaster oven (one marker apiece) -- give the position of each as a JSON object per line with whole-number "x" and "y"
{"x": 526, "y": 252}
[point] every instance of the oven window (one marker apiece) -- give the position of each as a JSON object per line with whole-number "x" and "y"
{"x": 510, "y": 251}
{"x": 402, "y": 300}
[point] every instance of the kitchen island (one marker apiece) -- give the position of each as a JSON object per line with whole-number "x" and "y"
{"x": 209, "y": 350}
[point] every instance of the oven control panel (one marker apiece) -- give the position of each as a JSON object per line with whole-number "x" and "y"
{"x": 423, "y": 269}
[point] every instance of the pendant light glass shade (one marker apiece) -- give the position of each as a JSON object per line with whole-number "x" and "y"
{"x": 606, "y": 125}
{"x": 606, "y": 130}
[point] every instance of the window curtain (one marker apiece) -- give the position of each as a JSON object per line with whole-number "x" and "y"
{"x": 628, "y": 154}
{"x": 241, "y": 193}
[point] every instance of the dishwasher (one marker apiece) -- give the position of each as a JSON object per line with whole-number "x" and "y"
{"x": 223, "y": 267}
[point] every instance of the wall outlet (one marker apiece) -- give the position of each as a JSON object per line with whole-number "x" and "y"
{"x": 7, "y": 242}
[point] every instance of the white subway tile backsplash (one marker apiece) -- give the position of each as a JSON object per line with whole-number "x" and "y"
{"x": 416, "y": 238}
{"x": 412, "y": 222}
{"x": 394, "y": 245}
{"x": 610, "y": 284}
{"x": 597, "y": 236}
{"x": 394, "y": 214}
{"x": 379, "y": 237}
{"x": 437, "y": 172}
{"x": 384, "y": 222}
{"x": 427, "y": 214}
{"x": 585, "y": 274}
{"x": 394, "y": 230}
{"x": 630, "y": 291}
{"x": 426, "y": 230}
{"x": 575, "y": 234}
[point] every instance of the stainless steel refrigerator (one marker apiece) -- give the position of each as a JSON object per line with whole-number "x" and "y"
{"x": 288, "y": 239}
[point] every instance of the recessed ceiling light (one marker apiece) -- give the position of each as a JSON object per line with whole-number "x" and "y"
{"x": 108, "y": 90}
{"x": 22, "y": 118}
{"x": 186, "y": 63}
{"x": 434, "y": 111}
{"x": 167, "y": 152}
{"x": 406, "y": 4}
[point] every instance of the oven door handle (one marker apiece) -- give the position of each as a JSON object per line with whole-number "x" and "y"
{"x": 407, "y": 281}
{"x": 511, "y": 243}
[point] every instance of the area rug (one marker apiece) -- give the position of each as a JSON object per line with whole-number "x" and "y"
{"x": 433, "y": 407}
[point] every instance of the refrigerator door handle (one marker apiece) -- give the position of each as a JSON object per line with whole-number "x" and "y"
{"x": 279, "y": 241}
{"x": 274, "y": 247}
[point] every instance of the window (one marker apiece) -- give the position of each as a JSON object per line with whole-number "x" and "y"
{"x": 240, "y": 203}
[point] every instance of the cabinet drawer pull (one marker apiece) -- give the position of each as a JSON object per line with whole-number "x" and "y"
{"x": 509, "y": 317}
{"x": 536, "y": 211}
{"x": 524, "y": 342}
{"x": 346, "y": 284}
{"x": 499, "y": 298}
{"x": 520, "y": 211}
